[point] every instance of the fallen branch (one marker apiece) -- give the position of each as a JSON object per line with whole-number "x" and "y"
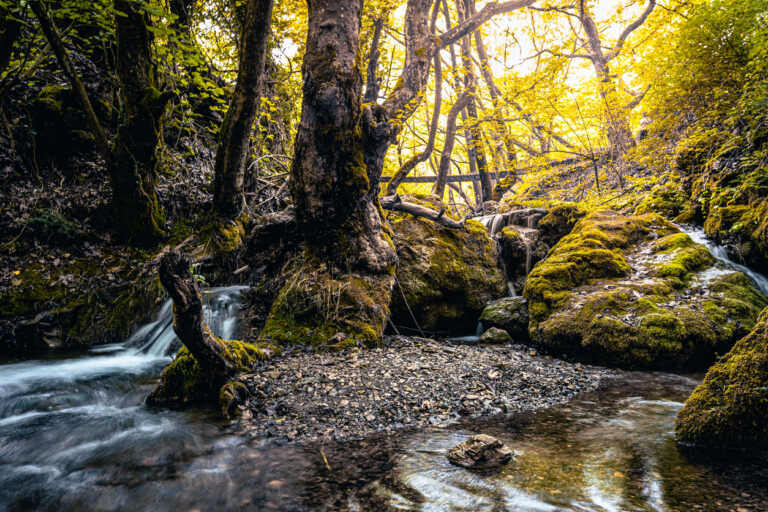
{"x": 394, "y": 203}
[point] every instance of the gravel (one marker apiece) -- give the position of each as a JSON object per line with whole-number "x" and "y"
{"x": 406, "y": 383}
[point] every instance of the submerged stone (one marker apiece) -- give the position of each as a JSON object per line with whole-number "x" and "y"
{"x": 480, "y": 452}
{"x": 729, "y": 409}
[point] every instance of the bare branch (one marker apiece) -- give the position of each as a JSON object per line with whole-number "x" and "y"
{"x": 631, "y": 28}
{"x": 395, "y": 203}
{"x": 472, "y": 23}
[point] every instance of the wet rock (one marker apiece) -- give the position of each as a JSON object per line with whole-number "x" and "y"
{"x": 509, "y": 314}
{"x": 480, "y": 452}
{"x": 521, "y": 249}
{"x": 495, "y": 335}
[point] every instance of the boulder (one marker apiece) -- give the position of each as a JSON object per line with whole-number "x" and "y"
{"x": 635, "y": 292}
{"x": 445, "y": 276}
{"x": 480, "y": 452}
{"x": 495, "y": 335}
{"x": 729, "y": 409}
{"x": 521, "y": 249}
{"x": 509, "y": 314}
{"x": 558, "y": 222}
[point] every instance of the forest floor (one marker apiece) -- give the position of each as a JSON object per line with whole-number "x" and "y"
{"x": 406, "y": 383}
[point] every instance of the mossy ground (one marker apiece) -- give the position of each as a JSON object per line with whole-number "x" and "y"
{"x": 318, "y": 305}
{"x": 632, "y": 292}
{"x": 729, "y": 409}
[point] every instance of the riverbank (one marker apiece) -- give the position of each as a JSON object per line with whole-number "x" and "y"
{"x": 406, "y": 383}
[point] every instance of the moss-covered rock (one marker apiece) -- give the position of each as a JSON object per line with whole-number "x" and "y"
{"x": 729, "y": 409}
{"x": 509, "y": 314}
{"x": 445, "y": 276}
{"x": 559, "y": 221}
{"x": 635, "y": 292}
{"x": 183, "y": 382}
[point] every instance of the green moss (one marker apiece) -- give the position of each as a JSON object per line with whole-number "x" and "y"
{"x": 183, "y": 382}
{"x": 319, "y": 307}
{"x": 584, "y": 299}
{"x": 729, "y": 408}
{"x": 445, "y": 276}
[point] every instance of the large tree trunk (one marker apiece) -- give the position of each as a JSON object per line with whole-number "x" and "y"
{"x": 336, "y": 204}
{"x": 234, "y": 139}
{"x": 133, "y": 167}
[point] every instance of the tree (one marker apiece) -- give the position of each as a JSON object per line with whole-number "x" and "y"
{"x": 616, "y": 118}
{"x": 234, "y": 138}
{"x": 340, "y": 146}
{"x": 134, "y": 165}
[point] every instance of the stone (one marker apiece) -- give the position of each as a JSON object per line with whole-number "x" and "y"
{"x": 509, "y": 314}
{"x": 495, "y": 335}
{"x": 480, "y": 452}
{"x": 729, "y": 409}
{"x": 635, "y": 292}
{"x": 445, "y": 276}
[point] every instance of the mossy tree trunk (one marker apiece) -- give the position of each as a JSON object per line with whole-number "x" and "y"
{"x": 234, "y": 139}
{"x": 133, "y": 167}
{"x": 450, "y": 138}
{"x": 9, "y": 33}
{"x": 339, "y": 290}
{"x": 188, "y": 324}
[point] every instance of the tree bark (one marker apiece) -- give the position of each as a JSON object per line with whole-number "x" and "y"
{"x": 133, "y": 165}
{"x": 334, "y": 195}
{"x": 52, "y": 36}
{"x": 188, "y": 316}
{"x": 234, "y": 139}
{"x": 450, "y": 138}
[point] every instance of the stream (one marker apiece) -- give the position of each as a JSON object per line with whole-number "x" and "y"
{"x": 75, "y": 435}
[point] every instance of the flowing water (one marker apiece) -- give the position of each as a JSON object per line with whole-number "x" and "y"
{"x": 75, "y": 435}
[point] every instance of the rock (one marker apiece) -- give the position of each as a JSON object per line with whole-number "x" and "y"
{"x": 729, "y": 409}
{"x": 558, "y": 222}
{"x": 509, "y": 314}
{"x": 635, "y": 292}
{"x": 480, "y": 452}
{"x": 495, "y": 335}
{"x": 445, "y": 276}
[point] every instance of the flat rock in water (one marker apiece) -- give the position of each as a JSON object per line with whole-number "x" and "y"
{"x": 480, "y": 452}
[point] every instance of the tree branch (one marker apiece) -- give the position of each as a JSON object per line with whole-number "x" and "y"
{"x": 396, "y": 204}
{"x": 631, "y": 28}
{"x": 473, "y": 22}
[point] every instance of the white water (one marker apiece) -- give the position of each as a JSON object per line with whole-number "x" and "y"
{"x": 150, "y": 345}
{"x": 721, "y": 254}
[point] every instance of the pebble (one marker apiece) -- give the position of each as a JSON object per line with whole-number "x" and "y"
{"x": 408, "y": 382}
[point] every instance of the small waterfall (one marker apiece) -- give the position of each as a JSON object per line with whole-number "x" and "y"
{"x": 220, "y": 307}
{"x": 721, "y": 254}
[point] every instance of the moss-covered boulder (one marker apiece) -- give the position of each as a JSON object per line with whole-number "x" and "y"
{"x": 183, "y": 382}
{"x": 730, "y": 408}
{"x": 635, "y": 292}
{"x": 445, "y": 276}
{"x": 509, "y": 314}
{"x": 559, "y": 221}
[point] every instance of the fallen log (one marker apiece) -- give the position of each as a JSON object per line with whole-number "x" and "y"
{"x": 188, "y": 324}
{"x": 395, "y": 203}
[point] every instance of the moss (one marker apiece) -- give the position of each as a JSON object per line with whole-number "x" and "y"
{"x": 224, "y": 236}
{"x": 183, "y": 382}
{"x": 729, "y": 409}
{"x": 586, "y": 300}
{"x": 318, "y": 306}
{"x": 232, "y": 394}
{"x": 445, "y": 276}
{"x": 559, "y": 221}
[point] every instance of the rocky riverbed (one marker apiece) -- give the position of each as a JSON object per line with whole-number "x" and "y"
{"x": 406, "y": 383}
